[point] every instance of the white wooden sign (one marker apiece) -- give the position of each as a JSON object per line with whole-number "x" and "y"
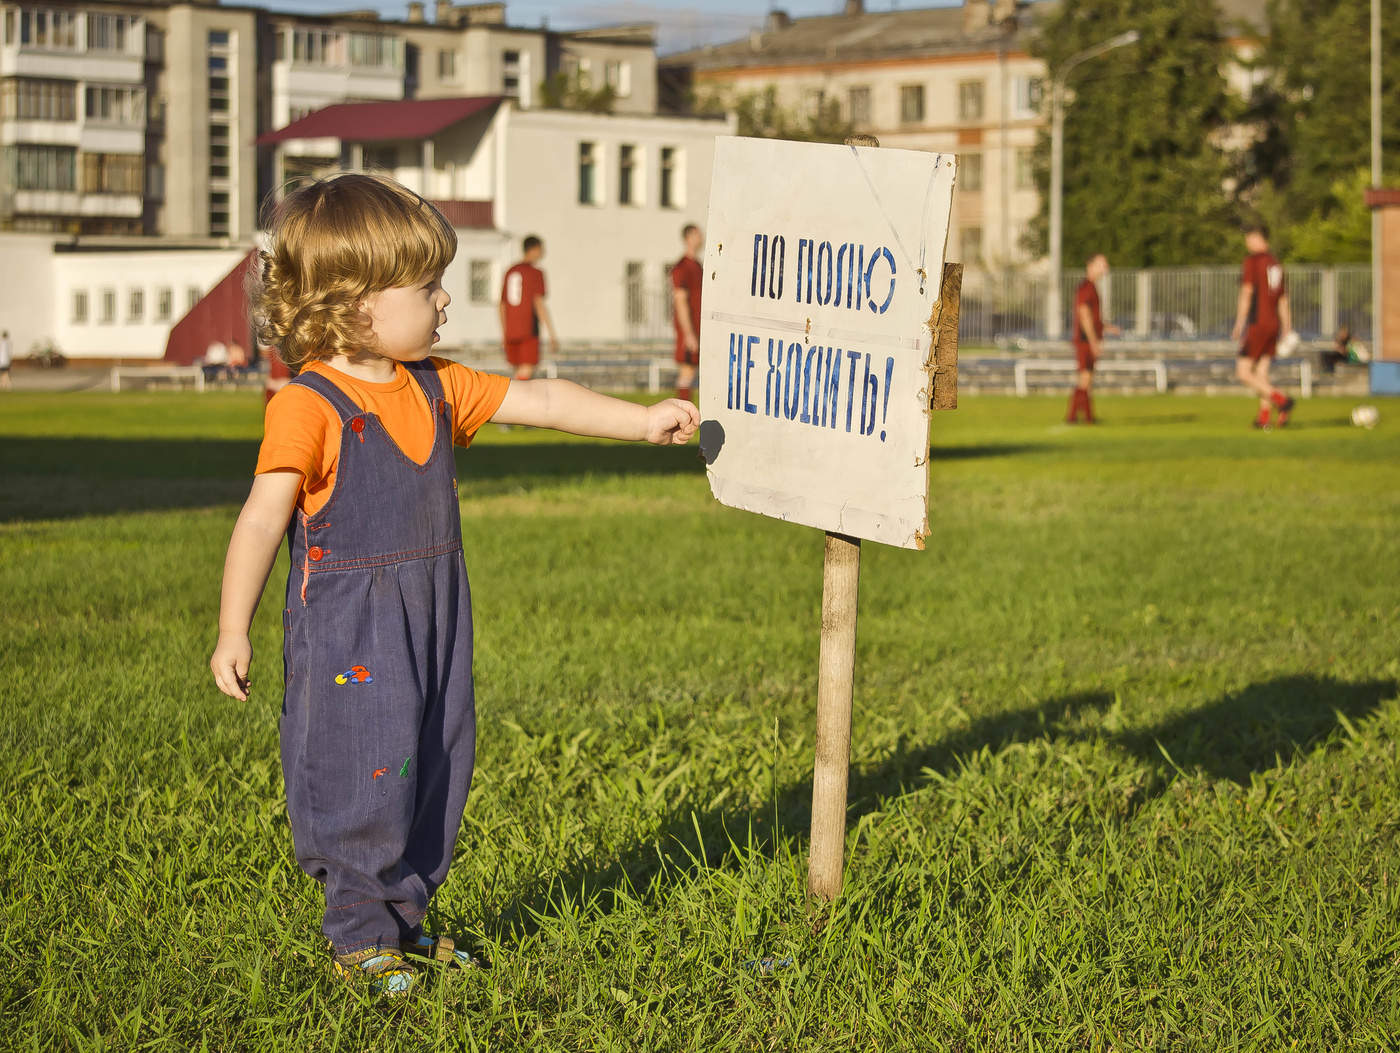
{"x": 822, "y": 269}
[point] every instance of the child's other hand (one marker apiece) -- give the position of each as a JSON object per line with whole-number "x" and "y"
{"x": 232, "y": 656}
{"x": 672, "y": 423}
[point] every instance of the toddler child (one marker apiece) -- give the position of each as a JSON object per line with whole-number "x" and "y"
{"x": 356, "y": 469}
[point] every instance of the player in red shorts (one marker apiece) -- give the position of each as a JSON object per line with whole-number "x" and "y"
{"x": 523, "y": 309}
{"x": 1262, "y": 317}
{"x": 687, "y": 278}
{"x": 1088, "y": 337}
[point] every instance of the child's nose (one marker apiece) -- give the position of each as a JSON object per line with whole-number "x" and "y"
{"x": 444, "y": 298}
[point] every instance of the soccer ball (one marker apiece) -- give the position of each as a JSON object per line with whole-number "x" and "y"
{"x": 1288, "y": 344}
{"x": 1365, "y": 416}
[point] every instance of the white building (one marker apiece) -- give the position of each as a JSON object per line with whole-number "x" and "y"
{"x": 139, "y": 117}
{"x": 609, "y": 195}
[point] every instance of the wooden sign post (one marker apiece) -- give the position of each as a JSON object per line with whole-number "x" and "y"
{"x": 829, "y": 332}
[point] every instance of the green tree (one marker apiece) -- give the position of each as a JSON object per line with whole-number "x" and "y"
{"x": 1144, "y": 172}
{"x": 574, "y": 91}
{"x": 1338, "y": 230}
{"x": 1314, "y": 114}
{"x": 758, "y": 114}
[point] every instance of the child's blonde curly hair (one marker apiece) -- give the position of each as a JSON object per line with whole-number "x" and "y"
{"x": 331, "y": 244}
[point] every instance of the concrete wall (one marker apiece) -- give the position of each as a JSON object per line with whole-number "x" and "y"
{"x": 186, "y": 273}
{"x": 27, "y": 280}
{"x": 587, "y": 247}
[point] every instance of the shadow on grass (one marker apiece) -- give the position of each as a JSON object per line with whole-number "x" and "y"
{"x": 1165, "y": 418}
{"x": 1326, "y": 422}
{"x": 976, "y": 453}
{"x": 1250, "y": 731}
{"x": 68, "y": 477}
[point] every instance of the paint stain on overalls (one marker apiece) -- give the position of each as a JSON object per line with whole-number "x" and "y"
{"x": 378, "y": 582}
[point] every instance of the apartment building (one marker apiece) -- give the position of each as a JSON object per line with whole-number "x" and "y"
{"x": 609, "y": 195}
{"x": 142, "y": 118}
{"x": 957, "y": 80}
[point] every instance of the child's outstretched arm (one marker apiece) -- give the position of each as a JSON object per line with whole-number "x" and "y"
{"x": 251, "y": 552}
{"x": 565, "y": 406}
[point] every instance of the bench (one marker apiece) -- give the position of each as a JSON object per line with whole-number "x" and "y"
{"x": 580, "y": 368}
{"x": 175, "y": 373}
{"x": 1156, "y": 367}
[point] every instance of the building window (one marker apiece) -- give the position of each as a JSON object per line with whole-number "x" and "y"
{"x": 112, "y": 174}
{"x": 1025, "y": 168}
{"x": 635, "y": 292}
{"x": 218, "y": 214}
{"x": 35, "y": 167}
{"x": 192, "y": 297}
{"x": 109, "y": 32}
{"x": 107, "y": 307}
{"x": 626, "y": 170}
{"x": 972, "y": 244}
{"x": 1028, "y": 92}
{"x": 970, "y": 171}
{"x": 165, "y": 303}
{"x": 911, "y": 103}
{"x": 136, "y": 305}
{"x": 669, "y": 190}
{"x": 510, "y": 73}
{"x": 970, "y": 100}
{"x": 479, "y": 281}
{"x": 858, "y": 105}
{"x": 379, "y": 158}
{"x": 113, "y": 104}
{"x": 375, "y": 51}
{"x": 80, "y": 307}
{"x": 617, "y": 75}
{"x": 586, "y": 174}
{"x": 812, "y": 100}
{"x": 447, "y": 65}
{"x": 38, "y": 100}
{"x": 42, "y": 29}
{"x": 314, "y": 47}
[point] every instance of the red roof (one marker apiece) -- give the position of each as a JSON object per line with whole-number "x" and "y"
{"x": 222, "y": 316}
{"x": 468, "y": 215}
{"x": 369, "y": 122}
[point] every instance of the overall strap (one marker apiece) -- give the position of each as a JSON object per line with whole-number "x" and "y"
{"x": 427, "y": 376}
{"x": 329, "y": 391}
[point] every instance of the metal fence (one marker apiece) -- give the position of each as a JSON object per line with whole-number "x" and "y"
{"x": 1166, "y": 303}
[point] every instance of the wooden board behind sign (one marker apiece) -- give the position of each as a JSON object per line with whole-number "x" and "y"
{"x": 817, "y": 357}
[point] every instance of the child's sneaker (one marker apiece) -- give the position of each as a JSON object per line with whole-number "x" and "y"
{"x": 1285, "y": 411}
{"x": 439, "y": 949}
{"x": 388, "y": 972}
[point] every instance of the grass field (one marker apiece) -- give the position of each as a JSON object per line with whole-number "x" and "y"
{"x": 1124, "y": 751}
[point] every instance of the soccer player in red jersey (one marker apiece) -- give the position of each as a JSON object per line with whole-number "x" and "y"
{"x": 1261, "y": 318}
{"x": 1089, "y": 330}
{"x": 523, "y": 309}
{"x": 687, "y": 277}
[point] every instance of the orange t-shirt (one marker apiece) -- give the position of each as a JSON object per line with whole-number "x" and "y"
{"x": 302, "y": 430}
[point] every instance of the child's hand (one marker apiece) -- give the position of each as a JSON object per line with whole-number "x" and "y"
{"x": 672, "y": 423}
{"x": 232, "y": 656}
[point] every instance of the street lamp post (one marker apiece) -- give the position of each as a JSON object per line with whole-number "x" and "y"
{"x": 1377, "y": 285}
{"x": 1054, "y": 308}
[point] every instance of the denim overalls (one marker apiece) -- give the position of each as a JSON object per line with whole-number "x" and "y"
{"x": 379, "y": 722}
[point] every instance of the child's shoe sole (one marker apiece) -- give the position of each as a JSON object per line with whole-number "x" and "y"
{"x": 389, "y": 973}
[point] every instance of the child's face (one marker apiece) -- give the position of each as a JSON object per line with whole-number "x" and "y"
{"x": 405, "y": 319}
